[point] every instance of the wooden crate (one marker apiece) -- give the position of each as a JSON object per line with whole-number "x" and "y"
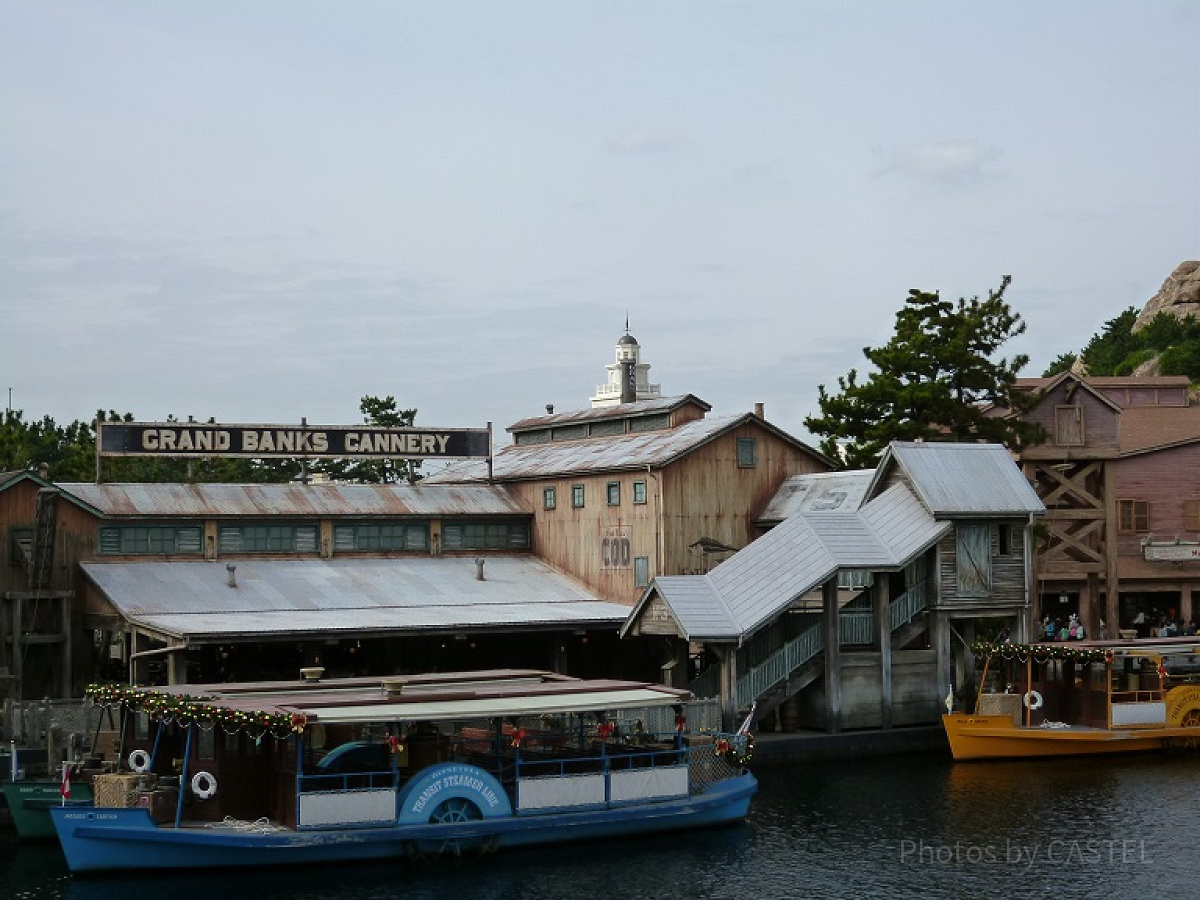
{"x": 115, "y": 790}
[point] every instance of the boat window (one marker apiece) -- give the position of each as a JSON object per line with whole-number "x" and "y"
{"x": 206, "y": 744}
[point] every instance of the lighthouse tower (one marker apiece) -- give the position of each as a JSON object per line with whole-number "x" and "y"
{"x": 628, "y": 377}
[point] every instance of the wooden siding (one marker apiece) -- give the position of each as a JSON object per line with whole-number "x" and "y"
{"x": 17, "y": 506}
{"x": 1081, "y": 552}
{"x": 1165, "y": 480}
{"x": 1008, "y": 571}
{"x": 1100, "y": 438}
{"x": 702, "y": 495}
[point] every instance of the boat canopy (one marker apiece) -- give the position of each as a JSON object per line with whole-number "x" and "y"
{"x": 425, "y": 698}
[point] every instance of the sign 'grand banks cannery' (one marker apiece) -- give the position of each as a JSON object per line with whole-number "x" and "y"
{"x": 191, "y": 439}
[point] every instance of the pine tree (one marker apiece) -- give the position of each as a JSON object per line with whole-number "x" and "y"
{"x": 935, "y": 380}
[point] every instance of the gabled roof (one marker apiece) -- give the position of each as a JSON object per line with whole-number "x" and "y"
{"x": 7, "y": 479}
{"x": 300, "y": 500}
{"x": 957, "y": 480}
{"x": 759, "y": 582}
{"x": 11, "y": 479}
{"x": 347, "y": 597}
{"x": 639, "y": 408}
{"x": 1046, "y": 385}
{"x": 611, "y": 453}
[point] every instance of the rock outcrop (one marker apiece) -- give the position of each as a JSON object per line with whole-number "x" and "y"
{"x": 1179, "y": 295}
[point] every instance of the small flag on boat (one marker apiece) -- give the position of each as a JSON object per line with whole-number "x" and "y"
{"x": 64, "y": 786}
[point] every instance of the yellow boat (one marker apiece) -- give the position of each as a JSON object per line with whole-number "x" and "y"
{"x": 1081, "y": 698}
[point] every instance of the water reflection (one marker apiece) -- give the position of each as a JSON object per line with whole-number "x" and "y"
{"x": 916, "y": 826}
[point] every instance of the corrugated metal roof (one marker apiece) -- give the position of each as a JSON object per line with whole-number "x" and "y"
{"x": 296, "y": 500}
{"x": 820, "y": 492}
{"x": 602, "y": 454}
{"x": 964, "y": 479}
{"x": 697, "y": 606}
{"x": 300, "y": 596}
{"x": 766, "y": 577}
{"x": 600, "y": 413}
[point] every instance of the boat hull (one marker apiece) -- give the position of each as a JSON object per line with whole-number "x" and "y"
{"x": 105, "y": 839}
{"x": 996, "y": 737}
{"x": 29, "y": 803}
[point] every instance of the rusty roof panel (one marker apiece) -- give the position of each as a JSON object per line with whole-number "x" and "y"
{"x": 619, "y": 411}
{"x": 599, "y": 454}
{"x": 296, "y": 500}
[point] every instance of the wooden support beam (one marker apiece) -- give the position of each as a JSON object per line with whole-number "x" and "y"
{"x": 833, "y": 657}
{"x": 1112, "y": 585}
{"x": 881, "y": 594}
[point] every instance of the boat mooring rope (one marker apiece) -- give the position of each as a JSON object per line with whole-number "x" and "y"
{"x": 258, "y": 826}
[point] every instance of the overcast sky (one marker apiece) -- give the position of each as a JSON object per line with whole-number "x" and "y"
{"x": 259, "y": 211}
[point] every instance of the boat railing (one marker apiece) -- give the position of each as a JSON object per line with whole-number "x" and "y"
{"x": 601, "y": 758}
{"x": 349, "y": 781}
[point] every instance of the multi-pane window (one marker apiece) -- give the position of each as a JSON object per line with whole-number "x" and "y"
{"x": 855, "y": 579}
{"x": 485, "y": 536}
{"x": 639, "y": 492}
{"x": 746, "y": 453}
{"x": 181, "y": 540}
{"x": 367, "y": 536}
{"x": 577, "y": 495}
{"x": 549, "y": 498}
{"x": 1133, "y": 515}
{"x": 641, "y": 571}
{"x": 268, "y": 538}
{"x": 613, "y": 489}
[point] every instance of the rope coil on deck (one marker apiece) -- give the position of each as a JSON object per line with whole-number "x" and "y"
{"x": 258, "y": 826}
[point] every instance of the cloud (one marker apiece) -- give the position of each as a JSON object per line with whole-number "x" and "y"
{"x": 948, "y": 163}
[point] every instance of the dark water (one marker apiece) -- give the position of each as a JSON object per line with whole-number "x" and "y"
{"x": 915, "y": 826}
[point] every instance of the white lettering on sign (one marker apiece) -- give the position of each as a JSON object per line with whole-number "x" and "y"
{"x": 393, "y": 444}
{"x": 284, "y": 441}
{"x": 185, "y": 440}
{"x": 450, "y": 780}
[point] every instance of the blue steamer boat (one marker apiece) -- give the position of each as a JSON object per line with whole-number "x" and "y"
{"x": 359, "y": 769}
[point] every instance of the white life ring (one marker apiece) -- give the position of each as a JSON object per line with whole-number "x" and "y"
{"x": 1033, "y": 700}
{"x": 204, "y": 785}
{"x": 139, "y": 761}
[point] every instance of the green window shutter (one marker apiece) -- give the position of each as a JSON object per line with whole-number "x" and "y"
{"x": 110, "y": 540}
{"x": 304, "y": 538}
{"x": 343, "y": 538}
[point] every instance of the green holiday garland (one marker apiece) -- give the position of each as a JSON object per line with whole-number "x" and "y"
{"x": 185, "y": 709}
{"x": 1039, "y": 653}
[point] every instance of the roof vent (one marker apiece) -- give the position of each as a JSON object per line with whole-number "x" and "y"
{"x": 479, "y": 568}
{"x": 232, "y": 578}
